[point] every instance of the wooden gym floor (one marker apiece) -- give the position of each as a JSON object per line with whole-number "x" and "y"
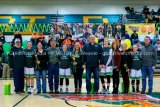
{"x": 79, "y": 100}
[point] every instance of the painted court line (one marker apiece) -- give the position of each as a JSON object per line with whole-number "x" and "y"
{"x": 21, "y": 100}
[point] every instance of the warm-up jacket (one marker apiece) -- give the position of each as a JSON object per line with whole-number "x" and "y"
{"x": 136, "y": 61}
{"x": 65, "y": 60}
{"x": 107, "y": 56}
{"x": 29, "y": 58}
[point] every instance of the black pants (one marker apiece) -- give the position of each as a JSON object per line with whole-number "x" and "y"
{"x": 108, "y": 79}
{"x": 115, "y": 77}
{"x": 61, "y": 81}
{"x": 125, "y": 77}
{"x": 18, "y": 76}
{"x": 78, "y": 78}
{"x": 137, "y": 85}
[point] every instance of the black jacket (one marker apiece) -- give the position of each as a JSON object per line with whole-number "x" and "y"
{"x": 126, "y": 58}
{"x": 92, "y": 55}
{"x": 17, "y": 58}
{"x": 78, "y": 58}
{"x": 43, "y": 58}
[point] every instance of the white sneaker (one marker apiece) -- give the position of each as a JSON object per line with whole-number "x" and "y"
{"x": 67, "y": 90}
{"x": 61, "y": 90}
{"x": 107, "y": 92}
{"x": 103, "y": 91}
{"x": 29, "y": 90}
{"x": 32, "y": 90}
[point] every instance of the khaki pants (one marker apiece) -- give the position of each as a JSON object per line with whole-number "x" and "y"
{"x": 6, "y": 71}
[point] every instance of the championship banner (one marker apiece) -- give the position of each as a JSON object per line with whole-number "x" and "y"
{"x": 142, "y": 29}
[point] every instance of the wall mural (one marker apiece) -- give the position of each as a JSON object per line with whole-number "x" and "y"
{"x": 27, "y": 24}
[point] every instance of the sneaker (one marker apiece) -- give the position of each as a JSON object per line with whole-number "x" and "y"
{"x": 95, "y": 92}
{"x": 149, "y": 93}
{"x": 51, "y": 92}
{"x": 88, "y": 92}
{"x": 103, "y": 91}
{"x": 29, "y": 90}
{"x": 107, "y": 92}
{"x": 76, "y": 91}
{"x": 38, "y": 92}
{"x": 56, "y": 92}
{"x": 137, "y": 91}
{"x": 22, "y": 91}
{"x": 67, "y": 90}
{"x": 44, "y": 92}
{"x": 79, "y": 91}
{"x": 61, "y": 90}
{"x": 142, "y": 92}
{"x": 32, "y": 89}
{"x": 16, "y": 92}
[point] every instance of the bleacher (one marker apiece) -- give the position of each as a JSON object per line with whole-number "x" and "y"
{"x": 157, "y": 71}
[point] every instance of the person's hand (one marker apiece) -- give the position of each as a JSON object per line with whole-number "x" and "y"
{"x": 128, "y": 70}
{"x": 11, "y": 69}
{"x": 74, "y": 63}
{"x": 84, "y": 66}
{"x": 153, "y": 68}
{"x": 103, "y": 66}
{"x": 100, "y": 66}
{"x": 117, "y": 69}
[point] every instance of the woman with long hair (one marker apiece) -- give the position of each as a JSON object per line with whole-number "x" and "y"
{"x": 29, "y": 67}
{"x": 107, "y": 68}
{"x": 116, "y": 67}
{"x": 64, "y": 68}
{"x": 41, "y": 67}
{"x": 77, "y": 67}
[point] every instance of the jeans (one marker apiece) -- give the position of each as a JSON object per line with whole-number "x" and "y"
{"x": 18, "y": 76}
{"x": 147, "y": 72}
{"x": 38, "y": 80}
{"x": 89, "y": 71}
{"x": 53, "y": 70}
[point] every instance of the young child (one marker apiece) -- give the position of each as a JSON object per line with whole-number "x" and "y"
{"x": 106, "y": 70}
{"x": 135, "y": 69}
{"x": 64, "y": 69}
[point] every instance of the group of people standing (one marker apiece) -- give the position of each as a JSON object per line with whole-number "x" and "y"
{"x": 102, "y": 61}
